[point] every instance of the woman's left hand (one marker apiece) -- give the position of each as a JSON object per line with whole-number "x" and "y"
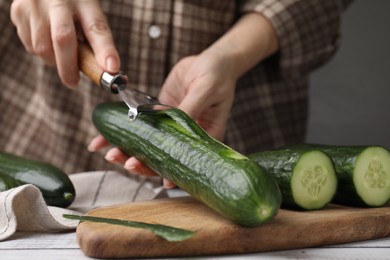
{"x": 202, "y": 86}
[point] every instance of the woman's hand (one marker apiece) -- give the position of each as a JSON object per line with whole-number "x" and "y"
{"x": 203, "y": 88}
{"x": 47, "y": 28}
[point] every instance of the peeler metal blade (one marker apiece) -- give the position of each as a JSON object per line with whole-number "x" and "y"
{"x": 137, "y": 101}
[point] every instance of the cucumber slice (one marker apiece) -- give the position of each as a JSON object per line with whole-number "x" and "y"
{"x": 313, "y": 181}
{"x": 372, "y": 176}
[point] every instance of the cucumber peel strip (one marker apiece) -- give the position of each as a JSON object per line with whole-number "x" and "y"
{"x": 168, "y": 233}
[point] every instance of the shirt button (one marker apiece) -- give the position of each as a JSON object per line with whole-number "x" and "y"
{"x": 154, "y": 31}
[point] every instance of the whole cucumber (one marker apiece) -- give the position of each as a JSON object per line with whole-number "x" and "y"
{"x": 175, "y": 147}
{"x": 55, "y": 185}
{"x": 7, "y": 182}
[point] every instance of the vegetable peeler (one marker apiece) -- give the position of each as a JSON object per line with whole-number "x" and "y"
{"x": 137, "y": 101}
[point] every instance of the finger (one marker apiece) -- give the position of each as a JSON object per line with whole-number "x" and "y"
{"x": 169, "y": 93}
{"x": 173, "y": 90}
{"x": 211, "y": 117}
{"x": 115, "y": 155}
{"x": 97, "y": 143}
{"x": 214, "y": 125}
{"x": 98, "y": 34}
{"x": 133, "y": 165}
{"x": 192, "y": 104}
{"x": 168, "y": 184}
{"x": 20, "y": 18}
{"x": 41, "y": 36}
{"x": 64, "y": 40}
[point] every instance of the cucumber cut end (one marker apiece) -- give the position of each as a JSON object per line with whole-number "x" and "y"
{"x": 372, "y": 176}
{"x": 314, "y": 180}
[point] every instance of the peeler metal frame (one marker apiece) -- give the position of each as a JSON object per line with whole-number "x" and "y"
{"x": 137, "y": 101}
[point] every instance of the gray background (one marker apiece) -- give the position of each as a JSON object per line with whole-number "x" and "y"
{"x": 350, "y": 95}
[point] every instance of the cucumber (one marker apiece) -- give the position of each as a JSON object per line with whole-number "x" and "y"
{"x": 176, "y": 148}
{"x": 307, "y": 178}
{"x": 363, "y": 173}
{"x": 55, "y": 185}
{"x": 7, "y": 183}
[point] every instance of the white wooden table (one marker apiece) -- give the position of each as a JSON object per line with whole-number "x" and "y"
{"x": 30, "y": 246}
{"x": 57, "y": 246}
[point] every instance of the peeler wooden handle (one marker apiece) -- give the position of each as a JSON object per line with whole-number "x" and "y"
{"x": 87, "y": 65}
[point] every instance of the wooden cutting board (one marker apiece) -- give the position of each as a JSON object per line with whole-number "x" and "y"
{"x": 216, "y": 235}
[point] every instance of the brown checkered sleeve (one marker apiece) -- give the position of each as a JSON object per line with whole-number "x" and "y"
{"x": 308, "y": 31}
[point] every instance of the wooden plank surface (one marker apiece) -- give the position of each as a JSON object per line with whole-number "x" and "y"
{"x": 218, "y": 236}
{"x": 38, "y": 246}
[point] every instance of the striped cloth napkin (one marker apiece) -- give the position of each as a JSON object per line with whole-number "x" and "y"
{"x": 24, "y": 209}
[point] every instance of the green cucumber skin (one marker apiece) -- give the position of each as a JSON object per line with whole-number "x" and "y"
{"x": 195, "y": 162}
{"x": 55, "y": 185}
{"x": 344, "y": 159}
{"x": 281, "y": 163}
{"x": 281, "y": 171}
{"x": 7, "y": 183}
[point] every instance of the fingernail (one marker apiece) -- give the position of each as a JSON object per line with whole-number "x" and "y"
{"x": 109, "y": 158}
{"x": 167, "y": 184}
{"x": 129, "y": 167}
{"x": 72, "y": 83}
{"x": 91, "y": 148}
{"x": 111, "y": 64}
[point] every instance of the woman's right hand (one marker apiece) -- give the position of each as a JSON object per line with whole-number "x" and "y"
{"x": 47, "y": 29}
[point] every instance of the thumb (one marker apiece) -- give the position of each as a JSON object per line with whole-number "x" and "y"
{"x": 192, "y": 106}
{"x": 212, "y": 117}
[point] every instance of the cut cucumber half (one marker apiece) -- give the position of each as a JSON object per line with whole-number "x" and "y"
{"x": 306, "y": 177}
{"x": 363, "y": 173}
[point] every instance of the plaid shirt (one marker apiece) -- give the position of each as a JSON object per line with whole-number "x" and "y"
{"x": 42, "y": 119}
